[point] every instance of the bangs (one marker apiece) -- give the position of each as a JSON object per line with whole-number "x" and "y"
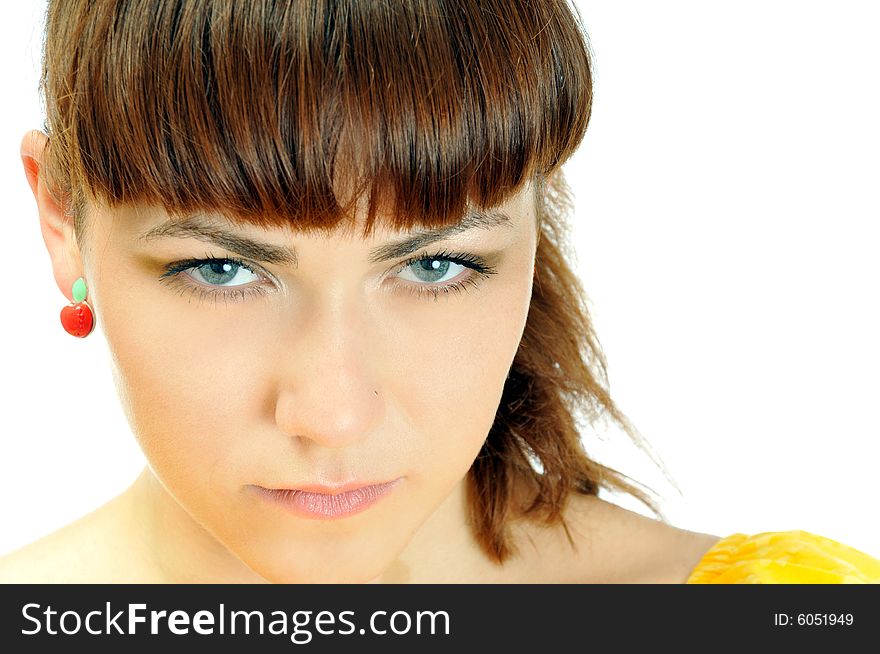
{"x": 290, "y": 113}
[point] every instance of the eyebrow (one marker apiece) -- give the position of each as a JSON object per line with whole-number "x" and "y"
{"x": 202, "y": 228}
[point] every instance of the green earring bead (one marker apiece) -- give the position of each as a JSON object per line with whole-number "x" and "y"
{"x": 79, "y": 290}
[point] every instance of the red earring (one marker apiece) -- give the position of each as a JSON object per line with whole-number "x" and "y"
{"x": 78, "y": 319}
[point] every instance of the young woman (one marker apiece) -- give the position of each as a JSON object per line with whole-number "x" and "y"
{"x": 325, "y": 242}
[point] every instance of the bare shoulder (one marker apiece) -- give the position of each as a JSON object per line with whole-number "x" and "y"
{"x": 87, "y": 550}
{"x": 612, "y": 544}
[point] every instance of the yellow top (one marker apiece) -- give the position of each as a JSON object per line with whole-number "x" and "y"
{"x": 784, "y": 557}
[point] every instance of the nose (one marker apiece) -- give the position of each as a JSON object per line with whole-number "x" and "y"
{"x": 329, "y": 394}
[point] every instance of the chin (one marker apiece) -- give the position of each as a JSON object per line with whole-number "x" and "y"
{"x": 296, "y": 570}
{"x": 317, "y": 576}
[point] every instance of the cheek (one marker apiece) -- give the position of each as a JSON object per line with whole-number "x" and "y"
{"x": 182, "y": 372}
{"x": 454, "y": 368}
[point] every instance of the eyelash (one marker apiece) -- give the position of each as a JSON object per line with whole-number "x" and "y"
{"x": 481, "y": 270}
{"x": 203, "y": 292}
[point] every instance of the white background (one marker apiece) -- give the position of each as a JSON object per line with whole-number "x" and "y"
{"x": 726, "y": 230}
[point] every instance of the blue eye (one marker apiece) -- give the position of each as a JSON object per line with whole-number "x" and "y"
{"x": 213, "y": 276}
{"x": 428, "y": 269}
{"x": 433, "y": 269}
{"x": 221, "y": 272}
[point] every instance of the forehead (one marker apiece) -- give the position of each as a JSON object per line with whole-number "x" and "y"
{"x": 150, "y": 222}
{"x": 146, "y": 225}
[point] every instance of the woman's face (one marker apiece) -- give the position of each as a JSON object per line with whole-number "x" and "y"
{"x": 333, "y": 368}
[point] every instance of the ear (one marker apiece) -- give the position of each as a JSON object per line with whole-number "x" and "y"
{"x": 57, "y": 228}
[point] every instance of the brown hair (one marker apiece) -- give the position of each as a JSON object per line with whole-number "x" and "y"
{"x": 252, "y": 109}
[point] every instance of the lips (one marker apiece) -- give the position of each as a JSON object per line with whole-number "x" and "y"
{"x": 336, "y": 490}
{"x": 323, "y": 502}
